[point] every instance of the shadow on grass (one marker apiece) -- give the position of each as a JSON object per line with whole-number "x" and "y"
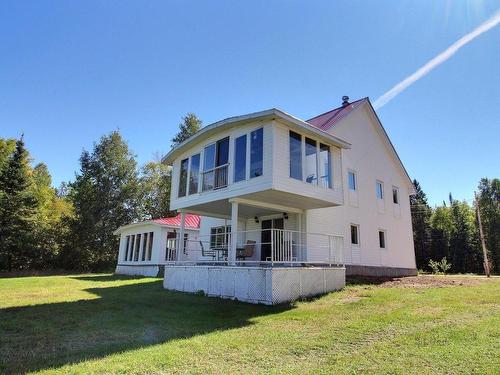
{"x": 123, "y": 318}
{"x": 112, "y": 277}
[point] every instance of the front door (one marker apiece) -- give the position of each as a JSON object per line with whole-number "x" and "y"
{"x": 265, "y": 237}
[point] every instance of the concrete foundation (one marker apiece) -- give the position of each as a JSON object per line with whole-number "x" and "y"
{"x": 352, "y": 270}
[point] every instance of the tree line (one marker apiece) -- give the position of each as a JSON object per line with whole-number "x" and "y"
{"x": 71, "y": 227}
{"x": 451, "y": 230}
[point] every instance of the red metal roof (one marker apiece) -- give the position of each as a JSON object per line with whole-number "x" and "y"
{"x": 326, "y": 120}
{"x": 191, "y": 222}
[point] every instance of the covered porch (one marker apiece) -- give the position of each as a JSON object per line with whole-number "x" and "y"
{"x": 258, "y": 253}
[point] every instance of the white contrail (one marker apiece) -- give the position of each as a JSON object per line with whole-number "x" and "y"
{"x": 438, "y": 60}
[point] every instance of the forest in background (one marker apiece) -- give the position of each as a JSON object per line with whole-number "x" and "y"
{"x": 71, "y": 227}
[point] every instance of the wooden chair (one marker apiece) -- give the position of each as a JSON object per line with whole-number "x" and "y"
{"x": 247, "y": 251}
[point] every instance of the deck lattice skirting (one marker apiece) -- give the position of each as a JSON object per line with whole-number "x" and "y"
{"x": 266, "y": 285}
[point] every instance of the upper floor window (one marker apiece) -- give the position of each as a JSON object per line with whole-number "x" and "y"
{"x": 311, "y": 162}
{"x": 215, "y": 163}
{"x": 240, "y": 158}
{"x": 317, "y": 163}
{"x": 256, "y": 152}
{"x": 379, "y": 186}
{"x": 325, "y": 166}
{"x": 354, "y": 234}
{"x": 295, "y": 156}
{"x": 353, "y": 183}
{"x": 381, "y": 239}
{"x": 194, "y": 173}
{"x": 183, "y": 177}
{"x": 395, "y": 195}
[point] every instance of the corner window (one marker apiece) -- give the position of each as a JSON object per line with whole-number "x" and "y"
{"x": 354, "y": 234}
{"x": 395, "y": 195}
{"x": 137, "y": 247}
{"x": 144, "y": 244}
{"x": 240, "y": 158}
{"x": 295, "y": 156}
{"x": 381, "y": 239}
{"x": 183, "y": 177}
{"x": 379, "y": 190}
{"x": 353, "y": 183}
{"x": 311, "y": 162}
{"x": 325, "y": 166}
{"x": 194, "y": 174}
{"x": 131, "y": 250}
{"x": 256, "y": 153}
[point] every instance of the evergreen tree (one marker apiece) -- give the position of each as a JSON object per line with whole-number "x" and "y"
{"x": 105, "y": 195}
{"x": 155, "y": 190}
{"x": 17, "y": 210}
{"x": 441, "y": 228}
{"x": 464, "y": 253}
{"x": 190, "y": 124}
{"x": 420, "y": 215}
{"x": 7, "y": 147}
{"x": 489, "y": 204}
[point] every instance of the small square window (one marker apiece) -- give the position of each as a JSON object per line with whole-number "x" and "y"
{"x": 354, "y": 234}
{"x": 395, "y": 195}
{"x": 352, "y": 180}
{"x": 381, "y": 239}
{"x": 380, "y": 190}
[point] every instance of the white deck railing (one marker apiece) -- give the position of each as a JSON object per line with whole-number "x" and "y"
{"x": 268, "y": 246}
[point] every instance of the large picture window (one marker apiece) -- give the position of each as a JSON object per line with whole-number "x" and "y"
{"x": 325, "y": 166}
{"x": 256, "y": 153}
{"x": 183, "y": 177}
{"x": 240, "y": 158}
{"x": 295, "y": 156}
{"x": 311, "y": 162}
{"x": 194, "y": 174}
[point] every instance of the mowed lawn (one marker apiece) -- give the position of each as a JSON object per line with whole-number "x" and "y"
{"x": 111, "y": 324}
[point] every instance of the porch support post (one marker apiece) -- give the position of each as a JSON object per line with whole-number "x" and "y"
{"x": 300, "y": 252}
{"x": 180, "y": 240}
{"x": 234, "y": 233}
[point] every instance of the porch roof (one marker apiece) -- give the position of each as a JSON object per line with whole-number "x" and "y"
{"x": 192, "y": 222}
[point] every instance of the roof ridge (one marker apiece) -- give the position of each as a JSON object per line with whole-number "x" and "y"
{"x": 336, "y": 109}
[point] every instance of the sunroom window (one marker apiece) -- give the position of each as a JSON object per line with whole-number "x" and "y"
{"x": 325, "y": 166}
{"x": 215, "y": 163}
{"x": 240, "y": 158}
{"x": 256, "y": 153}
{"x": 183, "y": 177}
{"x": 311, "y": 162}
{"x": 295, "y": 156}
{"x": 194, "y": 174}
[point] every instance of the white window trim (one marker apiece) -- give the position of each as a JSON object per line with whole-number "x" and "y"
{"x": 382, "y": 191}
{"x": 397, "y": 192}
{"x": 359, "y": 234}
{"x": 385, "y": 238}
{"x": 355, "y": 179}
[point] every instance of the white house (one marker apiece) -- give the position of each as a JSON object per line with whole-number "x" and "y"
{"x": 288, "y": 206}
{"x": 146, "y": 246}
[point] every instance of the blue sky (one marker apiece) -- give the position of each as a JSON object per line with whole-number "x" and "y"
{"x": 73, "y": 71}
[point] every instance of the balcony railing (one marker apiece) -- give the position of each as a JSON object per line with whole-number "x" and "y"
{"x": 263, "y": 247}
{"x": 215, "y": 178}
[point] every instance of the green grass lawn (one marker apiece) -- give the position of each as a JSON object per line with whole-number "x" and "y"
{"x": 111, "y": 324}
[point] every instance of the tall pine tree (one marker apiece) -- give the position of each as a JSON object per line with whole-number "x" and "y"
{"x": 190, "y": 124}
{"x": 420, "y": 217}
{"x": 17, "y": 211}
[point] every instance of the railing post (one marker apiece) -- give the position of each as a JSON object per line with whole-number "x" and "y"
{"x": 272, "y": 246}
{"x": 234, "y": 233}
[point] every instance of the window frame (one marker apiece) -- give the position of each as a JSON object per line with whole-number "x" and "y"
{"x": 185, "y": 187}
{"x": 194, "y": 182}
{"x": 261, "y": 153}
{"x": 383, "y": 238}
{"x": 358, "y": 234}
{"x": 381, "y": 184}
{"x": 355, "y": 179}
{"x": 243, "y": 156}
{"x": 396, "y": 190}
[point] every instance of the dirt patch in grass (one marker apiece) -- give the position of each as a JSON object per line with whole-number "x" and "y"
{"x": 421, "y": 281}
